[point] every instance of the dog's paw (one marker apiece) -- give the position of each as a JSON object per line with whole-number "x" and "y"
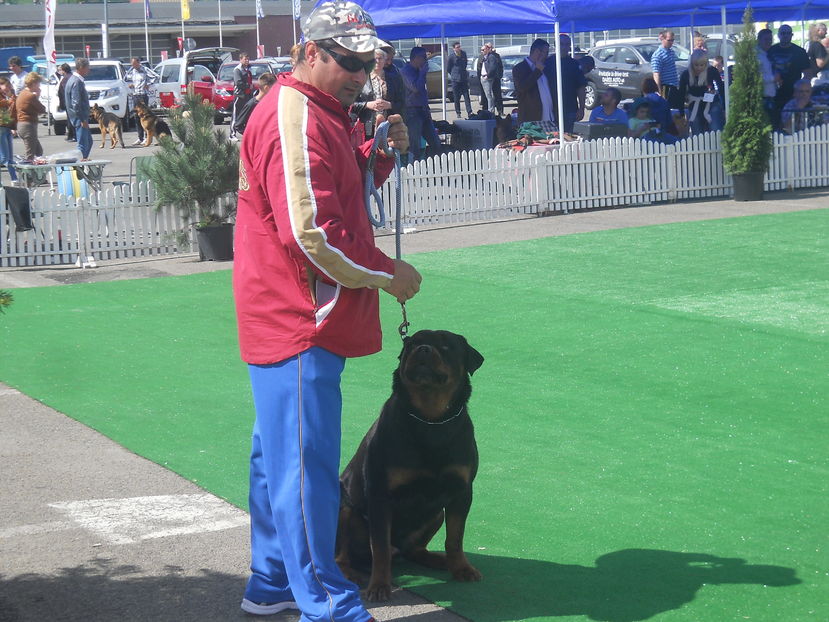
{"x": 378, "y": 592}
{"x": 466, "y": 573}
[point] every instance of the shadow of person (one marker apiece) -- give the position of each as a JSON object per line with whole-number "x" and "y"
{"x": 623, "y": 586}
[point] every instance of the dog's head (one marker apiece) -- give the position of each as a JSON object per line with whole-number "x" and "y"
{"x": 434, "y": 371}
{"x": 140, "y": 108}
{"x": 96, "y": 112}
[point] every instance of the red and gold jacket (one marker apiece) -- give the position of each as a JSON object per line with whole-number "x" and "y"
{"x": 306, "y": 270}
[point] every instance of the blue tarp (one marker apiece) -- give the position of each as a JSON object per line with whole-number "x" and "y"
{"x": 406, "y": 19}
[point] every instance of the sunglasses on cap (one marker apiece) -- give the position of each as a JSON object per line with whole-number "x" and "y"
{"x": 352, "y": 64}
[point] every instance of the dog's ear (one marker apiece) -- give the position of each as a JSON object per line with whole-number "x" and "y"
{"x": 473, "y": 359}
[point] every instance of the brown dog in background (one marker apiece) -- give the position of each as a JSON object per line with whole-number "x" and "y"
{"x": 152, "y": 124}
{"x": 109, "y": 124}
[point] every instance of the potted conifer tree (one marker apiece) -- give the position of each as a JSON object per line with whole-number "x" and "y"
{"x": 193, "y": 171}
{"x": 746, "y": 139}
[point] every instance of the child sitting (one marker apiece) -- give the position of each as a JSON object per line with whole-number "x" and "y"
{"x": 640, "y": 124}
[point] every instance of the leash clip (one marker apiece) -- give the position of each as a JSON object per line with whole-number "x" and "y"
{"x": 403, "y": 329}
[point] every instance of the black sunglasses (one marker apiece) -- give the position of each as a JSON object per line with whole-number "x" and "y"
{"x": 352, "y": 63}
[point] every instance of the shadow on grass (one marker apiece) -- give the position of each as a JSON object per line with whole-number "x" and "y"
{"x": 623, "y": 586}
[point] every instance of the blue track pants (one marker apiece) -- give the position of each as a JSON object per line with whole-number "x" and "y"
{"x": 295, "y": 489}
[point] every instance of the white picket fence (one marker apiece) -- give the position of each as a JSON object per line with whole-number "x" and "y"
{"x": 460, "y": 187}
{"x": 117, "y": 223}
{"x": 485, "y": 185}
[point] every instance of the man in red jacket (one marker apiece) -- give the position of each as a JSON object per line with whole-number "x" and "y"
{"x": 306, "y": 277}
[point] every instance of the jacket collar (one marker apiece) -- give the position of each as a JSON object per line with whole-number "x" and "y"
{"x": 316, "y": 95}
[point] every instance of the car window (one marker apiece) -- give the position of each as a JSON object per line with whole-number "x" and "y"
{"x": 605, "y": 54}
{"x": 257, "y": 69}
{"x": 170, "y": 73}
{"x": 648, "y": 49}
{"x": 226, "y": 73}
{"x": 202, "y": 73}
{"x": 625, "y": 55}
{"x": 682, "y": 53}
{"x": 511, "y": 61}
{"x": 435, "y": 63}
{"x": 102, "y": 72}
{"x": 713, "y": 46}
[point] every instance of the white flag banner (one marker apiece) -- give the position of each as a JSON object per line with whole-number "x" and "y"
{"x": 297, "y": 9}
{"x": 49, "y": 38}
{"x": 260, "y": 12}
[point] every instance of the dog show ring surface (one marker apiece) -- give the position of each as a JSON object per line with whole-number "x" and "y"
{"x": 651, "y": 419}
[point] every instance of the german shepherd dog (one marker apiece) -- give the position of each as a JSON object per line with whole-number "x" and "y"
{"x": 414, "y": 468}
{"x": 108, "y": 124}
{"x": 152, "y": 124}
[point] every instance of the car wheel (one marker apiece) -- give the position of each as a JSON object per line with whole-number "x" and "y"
{"x": 591, "y": 99}
{"x": 218, "y": 119}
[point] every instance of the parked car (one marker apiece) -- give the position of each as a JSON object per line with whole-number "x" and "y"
{"x": 624, "y": 64}
{"x": 507, "y": 85}
{"x": 195, "y": 70}
{"x": 223, "y": 87}
{"x": 714, "y": 43}
{"x": 105, "y": 86}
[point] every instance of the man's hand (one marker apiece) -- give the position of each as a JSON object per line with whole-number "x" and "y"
{"x": 398, "y": 135}
{"x": 405, "y": 283}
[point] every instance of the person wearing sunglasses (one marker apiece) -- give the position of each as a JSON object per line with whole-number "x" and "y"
{"x": 306, "y": 277}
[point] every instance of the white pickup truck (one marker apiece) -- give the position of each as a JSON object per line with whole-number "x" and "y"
{"x": 105, "y": 86}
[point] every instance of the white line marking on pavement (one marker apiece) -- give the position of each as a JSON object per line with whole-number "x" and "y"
{"x": 125, "y": 521}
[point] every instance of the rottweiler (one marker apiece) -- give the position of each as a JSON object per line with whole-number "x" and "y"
{"x": 108, "y": 123}
{"x": 414, "y": 468}
{"x": 153, "y": 126}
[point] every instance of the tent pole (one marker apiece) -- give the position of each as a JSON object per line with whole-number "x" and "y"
{"x": 803, "y": 36}
{"x": 725, "y": 57}
{"x": 691, "y": 33}
{"x": 559, "y": 94}
{"x": 444, "y": 60}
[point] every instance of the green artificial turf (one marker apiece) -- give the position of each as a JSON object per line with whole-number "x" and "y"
{"x": 651, "y": 415}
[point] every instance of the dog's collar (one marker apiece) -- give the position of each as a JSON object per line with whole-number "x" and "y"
{"x": 426, "y": 421}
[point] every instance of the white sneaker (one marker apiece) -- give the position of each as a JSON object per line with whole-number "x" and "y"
{"x": 266, "y": 609}
{"x": 138, "y": 141}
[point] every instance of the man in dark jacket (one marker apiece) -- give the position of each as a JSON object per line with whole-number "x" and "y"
{"x": 456, "y": 67}
{"x": 492, "y": 70}
{"x": 66, "y": 70}
{"x": 418, "y": 115}
{"x": 533, "y": 89}
{"x": 242, "y": 88}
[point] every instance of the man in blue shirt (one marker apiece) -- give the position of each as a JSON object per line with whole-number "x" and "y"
{"x": 663, "y": 65}
{"x": 417, "y": 114}
{"x": 77, "y": 106}
{"x": 609, "y": 112}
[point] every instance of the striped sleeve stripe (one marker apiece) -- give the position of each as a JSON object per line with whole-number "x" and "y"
{"x": 302, "y": 203}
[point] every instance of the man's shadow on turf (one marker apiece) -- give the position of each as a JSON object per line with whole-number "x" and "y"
{"x": 624, "y": 586}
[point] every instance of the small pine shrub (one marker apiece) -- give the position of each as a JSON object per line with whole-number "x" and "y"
{"x": 746, "y": 139}
{"x": 199, "y": 165}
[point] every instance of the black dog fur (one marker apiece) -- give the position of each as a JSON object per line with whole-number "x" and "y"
{"x": 414, "y": 468}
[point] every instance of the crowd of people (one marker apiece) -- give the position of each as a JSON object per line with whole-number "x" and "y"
{"x": 697, "y": 93}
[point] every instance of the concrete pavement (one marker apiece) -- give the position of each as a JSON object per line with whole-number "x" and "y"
{"x": 90, "y": 531}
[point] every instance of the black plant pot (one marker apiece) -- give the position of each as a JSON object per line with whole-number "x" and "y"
{"x": 748, "y": 186}
{"x": 215, "y": 242}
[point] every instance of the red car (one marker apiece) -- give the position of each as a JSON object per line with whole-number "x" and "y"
{"x": 223, "y": 87}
